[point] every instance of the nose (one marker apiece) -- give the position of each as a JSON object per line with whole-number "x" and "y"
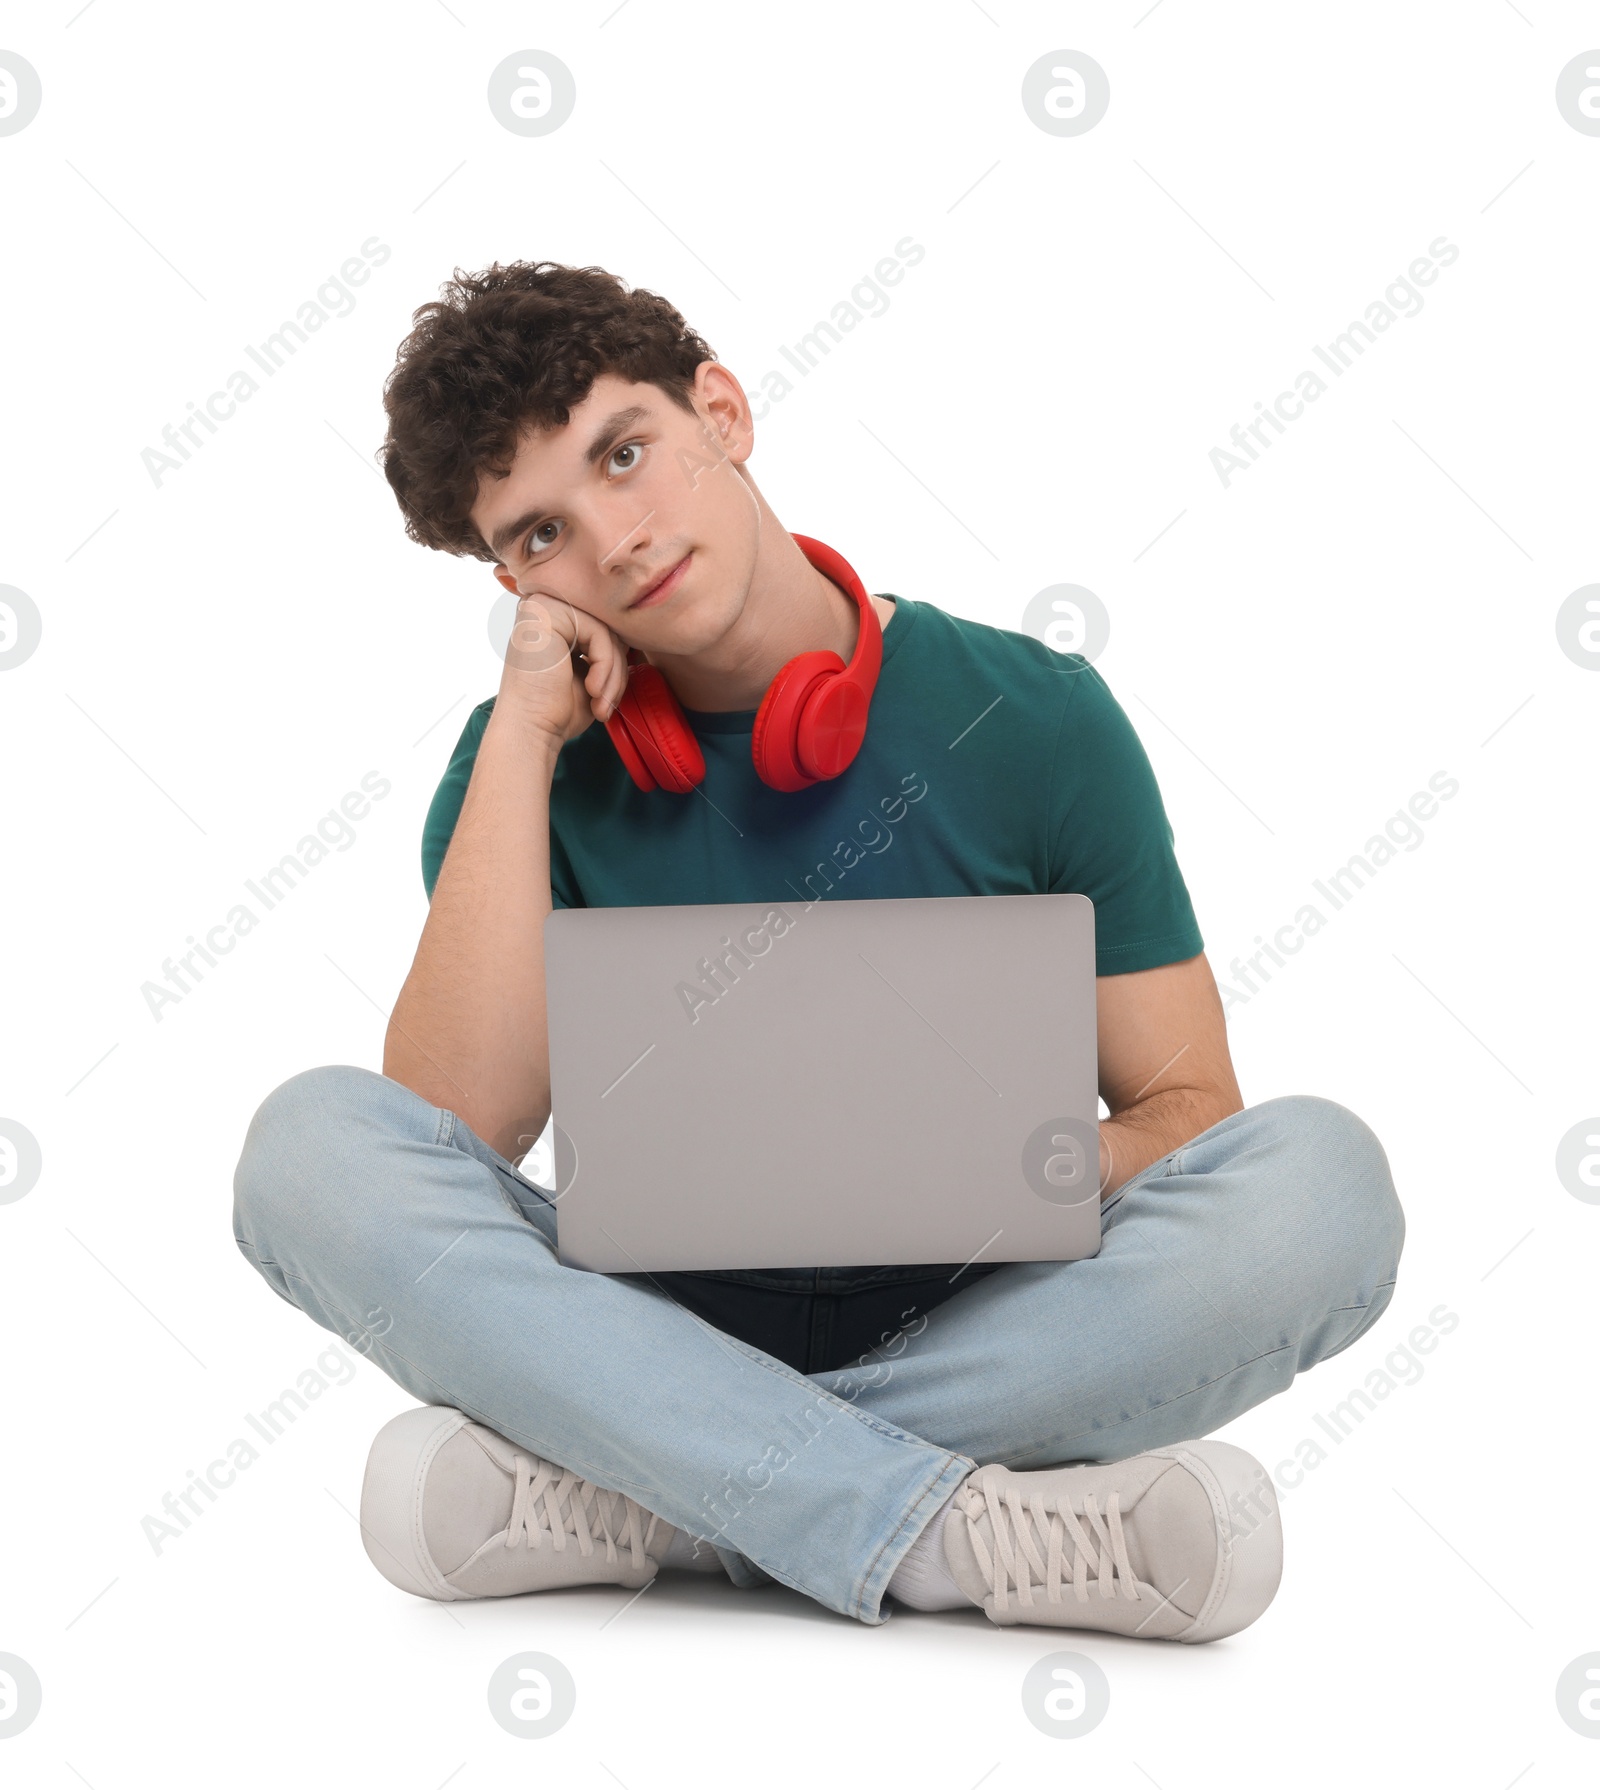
{"x": 630, "y": 545}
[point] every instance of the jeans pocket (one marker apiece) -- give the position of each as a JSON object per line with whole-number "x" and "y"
{"x": 1171, "y": 1164}
{"x": 530, "y": 1202}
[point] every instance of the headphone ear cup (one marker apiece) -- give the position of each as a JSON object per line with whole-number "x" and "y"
{"x": 652, "y": 737}
{"x": 623, "y": 726}
{"x": 775, "y": 739}
{"x": 833, "y": 723}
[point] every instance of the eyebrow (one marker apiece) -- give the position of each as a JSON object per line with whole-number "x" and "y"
{"x": 603, "y": 440}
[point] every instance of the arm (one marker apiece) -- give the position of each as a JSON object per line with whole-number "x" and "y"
{"x": 468, "y": 1032}
{"x": 1165, "y": 1072}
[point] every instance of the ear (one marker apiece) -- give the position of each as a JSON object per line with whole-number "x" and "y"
{"x": 720, "y": 398}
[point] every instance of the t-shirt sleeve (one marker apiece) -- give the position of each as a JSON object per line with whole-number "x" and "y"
{"x": 1110, "y": 836}
{"x": 445, "y": 810}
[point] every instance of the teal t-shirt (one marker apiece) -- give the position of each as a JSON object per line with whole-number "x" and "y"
{"x": 992, "y": 765}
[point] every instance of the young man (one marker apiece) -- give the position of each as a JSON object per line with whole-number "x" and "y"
{"x": 1016, "y": 1437}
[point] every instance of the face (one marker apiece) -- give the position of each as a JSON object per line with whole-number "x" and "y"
{"x": 636, "y": 511}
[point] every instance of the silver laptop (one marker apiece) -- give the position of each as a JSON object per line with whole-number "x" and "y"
{"x": 824, "y": 1084}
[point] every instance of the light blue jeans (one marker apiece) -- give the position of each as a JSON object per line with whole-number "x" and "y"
{"x": 1265, "y": 1245}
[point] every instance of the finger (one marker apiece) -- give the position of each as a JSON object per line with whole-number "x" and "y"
{"x": 612, "y": 658}
{"x": 619, "y": 686}
{"x": 607, "y": 673}
{"x": 587, "y": 673}
{"x": 537, "y": 642}
{"x": 607, "y": 691}
{"x": 595, "y": 686}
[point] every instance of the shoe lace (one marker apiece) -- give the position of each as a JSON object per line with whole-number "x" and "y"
{"x": 1031, "y": 1541}
{"x": 550, "y": 1504}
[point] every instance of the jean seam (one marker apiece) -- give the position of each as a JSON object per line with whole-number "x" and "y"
{"x": 448, "y": 1121}
{"x": 1174, "y": 1166}
{"x": 584, "y": 1470}
{"x": 1179, "y": 1397}
{"x": 1366, "y": 1304}
{"x": 521, "y": 1180}
{"x": 510, "y": 1204}
{"x": 347, "y": 1327}
{"x": 1217, "y": 1379}
{"x": 248, "y": 1251}
{"x": 1360, "y": 1330}
{"x": 858, "y": 1590}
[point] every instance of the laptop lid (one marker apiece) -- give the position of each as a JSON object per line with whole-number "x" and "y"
{"x": 832, "y": 1084}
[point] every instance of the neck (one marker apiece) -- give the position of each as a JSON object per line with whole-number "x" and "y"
{"x": 791, "y": 608}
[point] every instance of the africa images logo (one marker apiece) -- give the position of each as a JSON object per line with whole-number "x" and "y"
{"x": 1400, "y": 299}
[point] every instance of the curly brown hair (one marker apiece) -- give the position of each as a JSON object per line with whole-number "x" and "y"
{"x": 512, "y": 347}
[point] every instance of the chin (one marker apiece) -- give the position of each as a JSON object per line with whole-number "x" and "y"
{"x": 691, "y": 623}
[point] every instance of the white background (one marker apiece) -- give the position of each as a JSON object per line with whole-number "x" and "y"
{"x": 224, "y": 655}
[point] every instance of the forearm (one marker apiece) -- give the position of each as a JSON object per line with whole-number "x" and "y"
{"x": 468, "y": 1031}
{"x": 1149, "y": 1129}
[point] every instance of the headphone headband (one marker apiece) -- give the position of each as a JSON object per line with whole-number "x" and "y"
{"x": 867, "y": 659}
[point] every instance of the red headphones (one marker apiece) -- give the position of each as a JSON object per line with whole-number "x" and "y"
{"x": 809, "y": 726}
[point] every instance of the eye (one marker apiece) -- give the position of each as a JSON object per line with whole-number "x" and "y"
{"x": 625, "y": 457}
{"x": 545, "y": 534}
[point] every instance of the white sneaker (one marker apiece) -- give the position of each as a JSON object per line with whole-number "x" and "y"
{"x": 1180, "y": 1544}
{"x": 450, "y": 1509}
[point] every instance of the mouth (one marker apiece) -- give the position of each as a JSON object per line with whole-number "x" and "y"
{"x": 664, "y": 586}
